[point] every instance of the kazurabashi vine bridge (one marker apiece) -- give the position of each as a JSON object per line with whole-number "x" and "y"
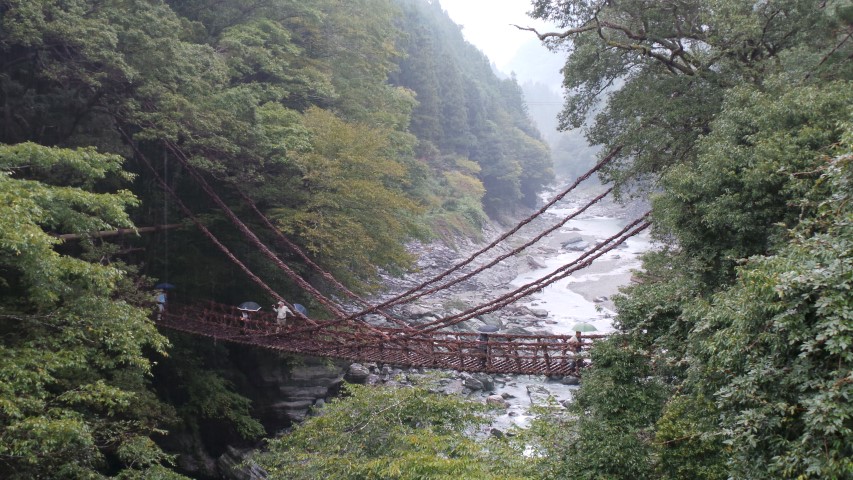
{"x": 349, "y": 335}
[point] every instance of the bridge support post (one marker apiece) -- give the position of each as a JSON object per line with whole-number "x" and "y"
{"x": 549, "y": 370}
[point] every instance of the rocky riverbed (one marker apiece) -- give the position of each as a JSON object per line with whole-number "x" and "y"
{"x": 584, "y": 296}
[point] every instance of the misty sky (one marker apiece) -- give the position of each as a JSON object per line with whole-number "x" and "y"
{"x": 486, "y": 24}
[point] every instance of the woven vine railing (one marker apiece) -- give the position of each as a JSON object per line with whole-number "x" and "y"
{"x": 553, "y": 355}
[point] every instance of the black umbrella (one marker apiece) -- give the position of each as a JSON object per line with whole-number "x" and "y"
{"x": 164, "y": 286}
{"x": 249, "y": 306}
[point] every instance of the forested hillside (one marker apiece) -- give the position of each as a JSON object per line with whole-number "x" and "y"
{"x": 355, "y": 126}
{"x": 361, "y": 124}
{"x": 465, "y": 112}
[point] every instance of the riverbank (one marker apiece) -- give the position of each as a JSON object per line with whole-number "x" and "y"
{"x": 585, "y": 296}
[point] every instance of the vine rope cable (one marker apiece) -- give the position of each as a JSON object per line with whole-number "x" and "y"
{"x": 196, "y": 221}
{"x": 322, "y": 299}
{"x": 402, "y": 297}
{"x": 579, "y": 263}
{"x": 532, "y": 287}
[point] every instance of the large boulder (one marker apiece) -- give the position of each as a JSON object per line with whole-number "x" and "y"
{"x": 472, "y": 383}
{"x": 357, "y": 373}
{"x": 486, "y": 380}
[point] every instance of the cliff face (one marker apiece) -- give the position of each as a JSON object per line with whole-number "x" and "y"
{"x": 284, "y": 387}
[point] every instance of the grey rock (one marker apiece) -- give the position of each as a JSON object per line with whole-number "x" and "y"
{"x": 577, "y": 247}
{"x": 472, "y": 383}
{"x": 230, "y": 466}
{"x": 533, "y": 263}
{"x": 538, "y": 395}
{"x": 455, "y": 387}
{"x": 487, "y": 381}
{"x": 357, "y": 373}
{"x": 572, "y": 240}
{"x": 417, "y": 311}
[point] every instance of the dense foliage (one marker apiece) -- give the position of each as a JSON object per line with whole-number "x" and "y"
{"x": 465, "y": 111}
{"x": 734, "y": 354}
{"x": 236, "y": 88}
{"x": 301, "y": 108}
{"x": 389, "y": 433}
{"x": 74, "y": 398}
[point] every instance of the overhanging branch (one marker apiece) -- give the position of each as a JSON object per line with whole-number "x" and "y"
{"x": 120, "y": 231}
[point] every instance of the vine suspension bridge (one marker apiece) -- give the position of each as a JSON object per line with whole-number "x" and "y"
{"x": 350, "y": 336}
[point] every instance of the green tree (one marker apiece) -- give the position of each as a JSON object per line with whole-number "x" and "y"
{"x": 774, "y": 350}
{"x": 672, "y": 62}
{"x": 464, "y": 109}
{"x": 387, "y": 433}
{"x": 736, "y": 199}
{"x": 74, "y": 396}
{"x": 605, "y": 432}
{"x": 731, "y": 111}
{"x": 351, "y": 213}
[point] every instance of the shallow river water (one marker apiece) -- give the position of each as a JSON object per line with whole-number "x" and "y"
{"x": 584, "y": 296}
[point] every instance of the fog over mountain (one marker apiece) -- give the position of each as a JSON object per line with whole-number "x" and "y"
{"x": 538, "y": 71}
{"x": 536, "y": 64}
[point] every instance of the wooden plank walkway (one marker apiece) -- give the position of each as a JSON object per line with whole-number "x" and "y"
{"x": 553, "y": 355}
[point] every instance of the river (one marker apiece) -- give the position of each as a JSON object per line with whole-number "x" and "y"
{"x": 585, "y": 296}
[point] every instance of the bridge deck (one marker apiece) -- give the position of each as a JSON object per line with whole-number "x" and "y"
{"x": 556, "y": 355}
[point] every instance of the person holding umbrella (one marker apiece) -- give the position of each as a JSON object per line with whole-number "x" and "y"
{"x": 161, "y": 302}
{"x": 247, "y": 307}
{"x": 161, "y": 297}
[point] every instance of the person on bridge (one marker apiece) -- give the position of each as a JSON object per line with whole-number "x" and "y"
{"x": 161, "y": 303}
{"x": 281, "y": 313}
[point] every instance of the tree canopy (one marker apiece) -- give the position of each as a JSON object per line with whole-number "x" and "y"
{"x": 74, "y": 396}
{"x": 733, "y": 345}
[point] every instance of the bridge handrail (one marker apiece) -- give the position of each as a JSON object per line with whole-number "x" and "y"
{"x": 499, "y": 352}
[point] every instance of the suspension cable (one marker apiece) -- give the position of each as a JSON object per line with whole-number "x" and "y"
{"x": 305, "y": 258}
{"x": 331, "y": 306}
{"x": 579, "y": 263}
{"x": 197, "y": 222}
{"x": 403, "y": 297}
{"x": 511, "y": 252}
